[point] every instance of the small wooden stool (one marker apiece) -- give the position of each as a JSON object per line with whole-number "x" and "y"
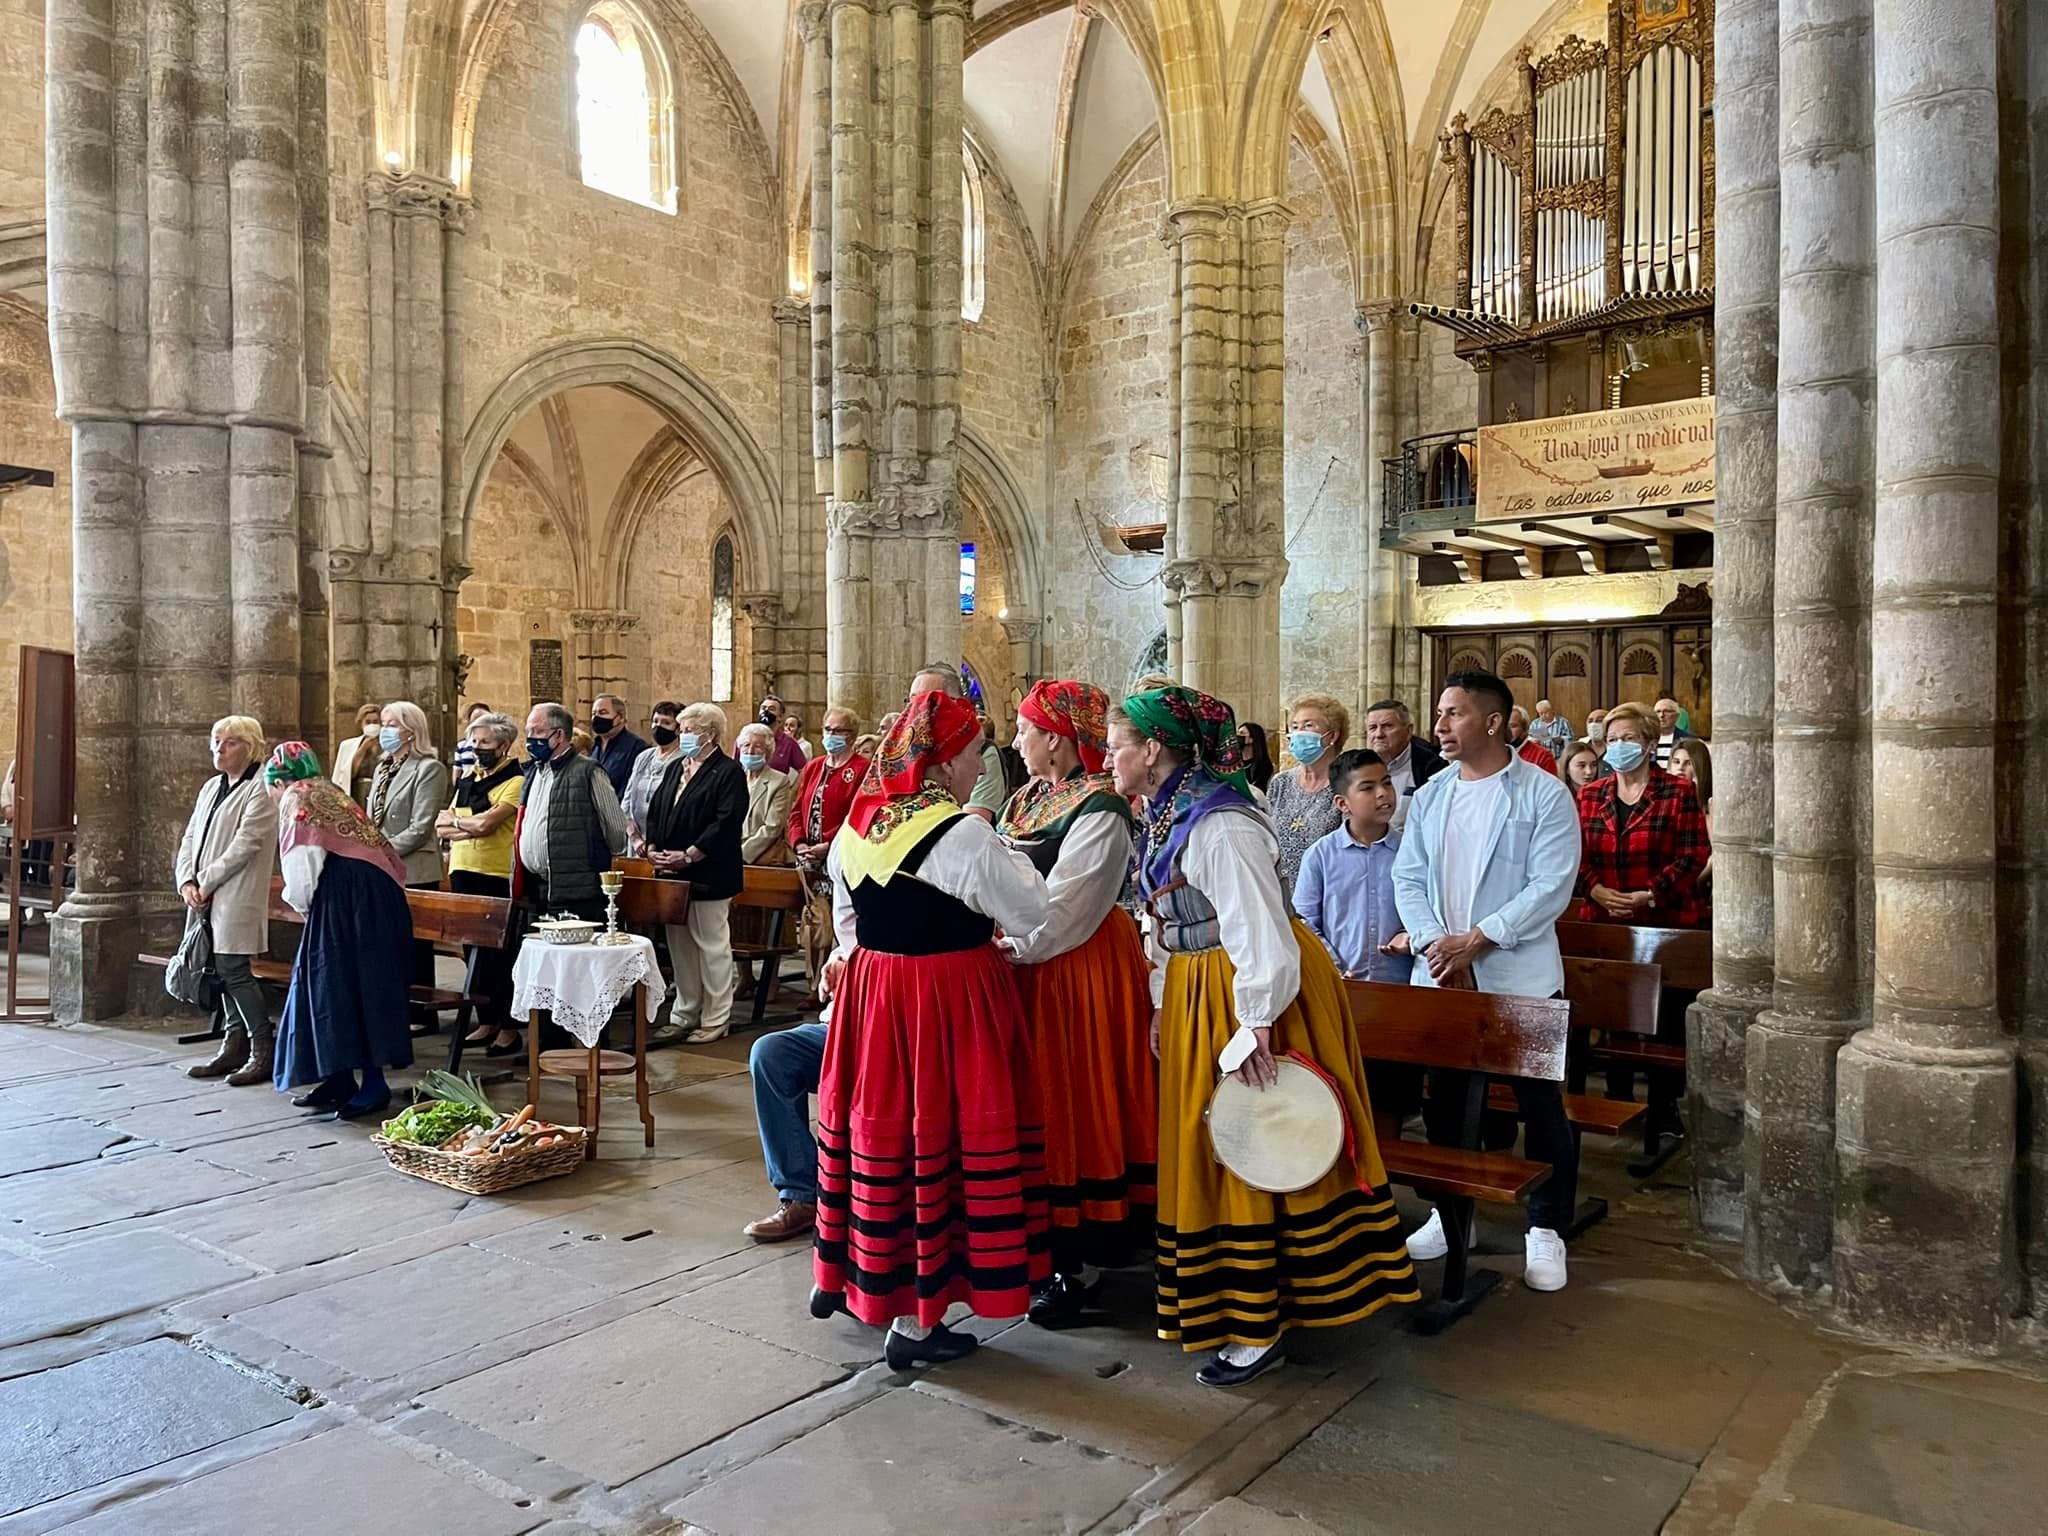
{"x": 589, "y": 1068}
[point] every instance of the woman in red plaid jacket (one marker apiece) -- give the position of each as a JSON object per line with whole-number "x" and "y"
{"x": 1642, "y": 835}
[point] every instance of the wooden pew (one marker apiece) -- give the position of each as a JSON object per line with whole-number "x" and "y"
{"x": 1684, "y": 958}
{"x": 1485, "y": 1034}
{"x": 441, "y": 917}
{"x": 779, "y": 891}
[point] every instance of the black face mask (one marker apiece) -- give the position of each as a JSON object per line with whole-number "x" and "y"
{"x": 488, "y": 758}
{"x": 602, "y": 724}
{"x": 768, "y": 718}
{"x": 664, "y": 736}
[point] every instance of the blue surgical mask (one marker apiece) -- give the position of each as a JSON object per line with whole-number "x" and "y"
{"x": 539, "y": 748}
{"x": 690, "y": 742}
{"x": 753, "y": 762}
{"x": 835, "y": 741}
{"x": 1623, "y": 756}
{"x": 1306, "y": 746}
{"x": 390, "y": 738}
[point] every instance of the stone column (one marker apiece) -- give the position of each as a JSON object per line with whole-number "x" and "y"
{"x": 1819, "y": 643}
{"x": 1745, "y": 542}
{"x": 1379, "y": 570}
{"x": 1927, "y": 1134}
{"x": 1228, "y": 526}
{"x": 605, "y": 644}
{"x": 791, "y": 644}
{"x": 892, "y": 322}
{"x": 178, "y": 280}
{"x": 1024, "y": 659}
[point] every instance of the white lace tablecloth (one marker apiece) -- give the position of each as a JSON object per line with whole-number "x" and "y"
{"x": 580, "y": 983}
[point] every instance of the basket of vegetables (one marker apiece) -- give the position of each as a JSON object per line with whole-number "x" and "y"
{"x": 451, "y": 1135}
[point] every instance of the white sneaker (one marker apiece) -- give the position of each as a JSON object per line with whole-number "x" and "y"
{"x": 705, "y": 1034}
{"x": 1427, "y": 1240}
{"x": 1543, "y": 1260}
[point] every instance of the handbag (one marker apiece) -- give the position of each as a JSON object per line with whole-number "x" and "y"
{"x": 190, "y": 976}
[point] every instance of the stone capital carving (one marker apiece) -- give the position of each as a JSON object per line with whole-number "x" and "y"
{"x": 412, "y": 195}
{"x": 919, "y": 511}
{"x": 1269, "y": 216}
{"x": 588, "y": 621}
{"x": 1196, "y": 216}
{"x": 810, "y": 19}
{"x": 1020, "y": 631}
{"x": 1223, "y": 578}
{"x": 766, "y": 608}
{"x": 791, "y": 310}
{"x": 1377, "y": 316}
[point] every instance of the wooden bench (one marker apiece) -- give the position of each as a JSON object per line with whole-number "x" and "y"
{"x": 648, "y": 902}
{"x": 779, "y": 891}
{"x": 441, "y": 917}
{"x": 1485, "y": 1034}
{"x": 1684, "y": 959}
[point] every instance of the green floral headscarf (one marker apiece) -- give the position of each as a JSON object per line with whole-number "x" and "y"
{"x": 1194, "y": 723}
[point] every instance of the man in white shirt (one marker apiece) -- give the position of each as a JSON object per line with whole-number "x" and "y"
{"x": 1668, "y": 733}
{"x": 1552, "y": 731}
{"x": 1486, "y": 869}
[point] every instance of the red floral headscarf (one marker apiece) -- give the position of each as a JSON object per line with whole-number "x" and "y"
{"x": 934, "y": 728}
{"x": 1077, "y": 711}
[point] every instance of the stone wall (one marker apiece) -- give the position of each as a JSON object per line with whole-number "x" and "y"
{"x": 21, "y": 111}
{"x": 35, "y": 524}
{"x": 1002, "y": 355}
{"x": 1319, "y": 605}
{"x": 668, "y": 584}
{"x": 1114, "y": 361}
{"x": 547, "y": 258}
{"x": 519, "y": 590}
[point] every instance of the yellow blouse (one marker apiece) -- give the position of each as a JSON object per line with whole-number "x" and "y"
{"x": 490, "y": 855}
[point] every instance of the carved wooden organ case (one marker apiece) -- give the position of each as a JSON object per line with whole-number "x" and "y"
{"x": 1594, "y": 199}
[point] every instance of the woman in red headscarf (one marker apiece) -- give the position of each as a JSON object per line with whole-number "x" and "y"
{"x": 1087, "y": 997}
{"x": 931, "y": 1165}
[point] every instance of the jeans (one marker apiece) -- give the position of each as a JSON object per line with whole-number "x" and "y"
{"x": 785, "y": 1067}
{"x": 242, "y": 999}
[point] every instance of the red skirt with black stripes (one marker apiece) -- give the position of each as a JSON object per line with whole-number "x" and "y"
{"x": 931, "y": 1147}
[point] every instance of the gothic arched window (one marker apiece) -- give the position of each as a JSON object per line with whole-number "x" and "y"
{"x": 721, "y": 620}
{"x": 973, "y": 241}
{"x": 625, "y": 107}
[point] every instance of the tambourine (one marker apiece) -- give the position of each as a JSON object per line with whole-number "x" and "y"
{"x": 1280, "y": 1138}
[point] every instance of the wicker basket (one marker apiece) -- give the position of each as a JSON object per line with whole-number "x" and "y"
{"x": 486, "y": 1175}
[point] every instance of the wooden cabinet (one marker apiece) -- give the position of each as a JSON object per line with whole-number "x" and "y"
{"x": 1583, "y": 667}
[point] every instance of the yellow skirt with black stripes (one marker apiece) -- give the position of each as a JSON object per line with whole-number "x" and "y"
{"x": 1237, "y": 1265}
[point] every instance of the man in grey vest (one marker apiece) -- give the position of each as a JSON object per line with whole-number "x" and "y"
{"x": 570, "y": 824}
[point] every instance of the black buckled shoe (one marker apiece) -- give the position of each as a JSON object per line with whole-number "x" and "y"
{"x": 1220, "y": 1373}
{"x": 1066, "y": 1303}
{"x": 322, "y": 1097}
{"x": 935, "y": 1348}
{"x": 826, "y": 1304}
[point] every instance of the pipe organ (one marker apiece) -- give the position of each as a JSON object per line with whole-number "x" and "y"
{"x": 1596, "y": 187}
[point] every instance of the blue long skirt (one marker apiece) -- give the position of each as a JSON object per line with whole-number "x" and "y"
{"x": 346, "y": 1009}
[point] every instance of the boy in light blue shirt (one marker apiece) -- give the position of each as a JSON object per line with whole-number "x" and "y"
{"x": 1345, "y": 891}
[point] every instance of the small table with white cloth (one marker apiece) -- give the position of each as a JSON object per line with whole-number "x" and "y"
{"x": 581, "y": 984}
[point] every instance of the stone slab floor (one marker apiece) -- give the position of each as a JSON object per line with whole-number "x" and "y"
{"x": 220, "y": 1316}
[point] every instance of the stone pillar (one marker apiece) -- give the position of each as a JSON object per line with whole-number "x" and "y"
{"x": 603, "y": 643}
{"x": 179, "y": 294}
{"x": 1024, "y": 658}
{"x": 1926, "y": 1138}
{"x": 892, "y": 321}
{"x": 1819, "y": 643}
{"x": 790, "y": 645}
{"x": 1379, "y": 570}
{"x": 1229, "y": 519}
{"x": 1745, "y": 535}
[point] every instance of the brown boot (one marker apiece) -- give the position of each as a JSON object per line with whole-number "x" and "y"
{"x": 793, "y": 1219}
{"x": 234, "y": 1050}
{"x": 257, "y": 1068}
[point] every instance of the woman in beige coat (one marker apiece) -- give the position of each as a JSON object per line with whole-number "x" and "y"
{"x": 407, "y": 794}
{"x": 225, "y": 861}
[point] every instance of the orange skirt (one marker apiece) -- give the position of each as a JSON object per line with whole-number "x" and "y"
{"x": 1089, "y": 1012}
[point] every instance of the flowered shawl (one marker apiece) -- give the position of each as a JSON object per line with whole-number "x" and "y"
{"x": 1212, "y": 779}
{"x": 932, "y": 729}
{"x": 1077, "y": 711}
{"x": 1043, "y": 808}
{"x": 315, "y": 813}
